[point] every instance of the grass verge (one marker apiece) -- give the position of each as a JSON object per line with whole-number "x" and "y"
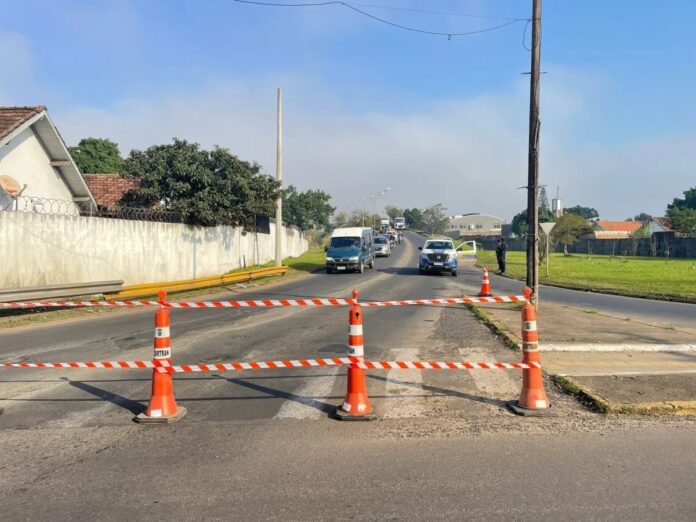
{"x": 658, "y": 278}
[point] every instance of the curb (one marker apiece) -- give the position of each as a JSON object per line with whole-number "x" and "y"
{"x": 496, "y": 327}
{"x": 601, "y": 405}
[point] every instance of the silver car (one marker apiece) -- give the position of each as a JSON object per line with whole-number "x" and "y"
{"x": 382, "y": 246}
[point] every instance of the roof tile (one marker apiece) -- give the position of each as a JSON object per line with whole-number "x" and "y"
{"x": 13, "y": 117}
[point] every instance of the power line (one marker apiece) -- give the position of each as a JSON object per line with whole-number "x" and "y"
{"x": 449, "y": 35}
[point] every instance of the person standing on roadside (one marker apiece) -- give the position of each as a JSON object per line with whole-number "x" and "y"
{"x": 500, "y": 252}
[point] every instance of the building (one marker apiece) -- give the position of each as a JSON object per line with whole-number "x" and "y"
{"x": 474, "y": 224}
{"x": 108, "y": 189}
{"x": 660, "y": 225}
{"x": 614, "y": 229}
{"x": 36, "y": 167}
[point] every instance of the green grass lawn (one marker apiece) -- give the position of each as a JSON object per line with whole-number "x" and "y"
{"x": 313, "y": 259}
{"x": 636, "y": 276}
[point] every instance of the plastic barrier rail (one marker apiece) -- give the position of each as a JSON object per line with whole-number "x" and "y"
{"x": 163, "y": 366}
{"x": 264, "y": 303}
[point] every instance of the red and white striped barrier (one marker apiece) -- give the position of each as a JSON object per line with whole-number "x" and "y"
{"x": 264, "y": 303}
{"x": 106, "y": 365}
{"x": 163, "y": 366}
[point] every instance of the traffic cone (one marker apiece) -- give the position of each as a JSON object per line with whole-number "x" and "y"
{"x": 485, "y": 285}
{"x": 162, "y": 408}
{"x": 357, "y": 405}
{"x": 533, "y": 400}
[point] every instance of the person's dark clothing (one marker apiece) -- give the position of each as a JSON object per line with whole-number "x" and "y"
{"x": 500, "y": 251}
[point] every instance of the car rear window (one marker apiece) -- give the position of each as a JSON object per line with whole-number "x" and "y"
{"x": 380, "y": 240}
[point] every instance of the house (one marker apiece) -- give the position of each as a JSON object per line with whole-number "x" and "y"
{"x": 614, "y": 229}
{"x": 660, "y": 225}
{"x": 35, "y": 162}
{"x": 108, "y": 189}
{"x": 474, "y": 224}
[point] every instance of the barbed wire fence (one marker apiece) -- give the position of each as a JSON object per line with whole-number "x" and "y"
{"x": 60, "y": 207}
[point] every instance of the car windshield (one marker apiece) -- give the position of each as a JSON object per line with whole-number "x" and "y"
{"x": 345, "y": 242}
{"x": 381, "y": 240}
{"x": 439, "y": 245}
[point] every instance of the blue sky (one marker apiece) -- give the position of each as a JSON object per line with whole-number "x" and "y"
{"x": 368, "y": 106}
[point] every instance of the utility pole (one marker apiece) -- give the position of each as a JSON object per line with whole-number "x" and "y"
{"x": 279, "y": 177}
{"x": 533, "y": 158}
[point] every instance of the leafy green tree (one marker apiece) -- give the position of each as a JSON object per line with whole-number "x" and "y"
{"x": 519, "y": 222}
{"x": 414, "y": 218}
{"x": 585, "y": 212}
{"x": 394, "y": 212}
{"x": 207, "y": 187}
{"x": 682, "y": 212}
{"x": 435, "y": 219}
{"x": 309, "y": 209}
{"x": 341, "y": 219}
{"x": 568, "y": 230}
{"x": 97, "y": 155}
{"x": 642, "y": 217}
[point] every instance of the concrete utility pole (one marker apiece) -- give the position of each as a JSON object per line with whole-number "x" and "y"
{"x": 279, "y": 177}
{"x": 533, "y": 159}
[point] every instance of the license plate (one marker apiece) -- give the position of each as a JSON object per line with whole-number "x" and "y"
{"x": 340, "y": 268}
{"x": 438, "y": 264}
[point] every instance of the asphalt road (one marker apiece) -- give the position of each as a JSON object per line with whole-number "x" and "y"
{"x": 263, "y": 445}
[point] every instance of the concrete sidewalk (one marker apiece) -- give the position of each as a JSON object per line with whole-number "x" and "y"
{"x": 617, "y": 365}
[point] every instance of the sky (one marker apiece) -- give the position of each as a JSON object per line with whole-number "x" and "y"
{"x": 368, "y": 106}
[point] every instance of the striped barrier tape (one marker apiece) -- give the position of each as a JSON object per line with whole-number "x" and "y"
{"x": 164, "y": 366}
{"x": 264, "y": 303}
{"x": 107, "y": 365}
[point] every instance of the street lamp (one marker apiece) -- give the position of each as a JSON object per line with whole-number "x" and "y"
{"x": 374, "y": 203}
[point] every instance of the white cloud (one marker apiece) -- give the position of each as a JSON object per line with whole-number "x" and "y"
{"x": 469, "y": 154}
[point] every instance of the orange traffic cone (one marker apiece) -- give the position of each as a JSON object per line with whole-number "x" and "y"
{"x": 162, "y": 408}
{"x": 357, "y": 405}
{"x": 533, "y": 400}
{"x": 485, "y": 285}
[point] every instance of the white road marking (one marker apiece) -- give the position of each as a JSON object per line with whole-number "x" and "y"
{"x": 615, "y": 347}
{"x": 309, "y": 397}
{"x": 494, "y": 385}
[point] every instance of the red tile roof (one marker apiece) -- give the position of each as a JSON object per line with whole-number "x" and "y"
{"x": 108, "y": 189}
{"x": 618, "y": 226}
{"x": 13, "y": 117}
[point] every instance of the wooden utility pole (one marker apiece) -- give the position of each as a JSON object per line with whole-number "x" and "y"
{"x": 279, "y": 177}
{"x": 533, "y": 158}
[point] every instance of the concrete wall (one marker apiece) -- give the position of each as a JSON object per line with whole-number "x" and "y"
{"x": 26, "y": 160}
{"x": 40, "y": 249}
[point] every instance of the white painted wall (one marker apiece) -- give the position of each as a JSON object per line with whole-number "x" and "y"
{"x": 26, "y": 160}
{"x": 39, "y": 249}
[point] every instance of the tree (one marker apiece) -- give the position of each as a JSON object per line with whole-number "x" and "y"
{"x": 585, "y": 212}
{"x": 568, "y": 229}
{"x": 642, "y": 217}
{"x": 519, "y": 222}
{"x": 207, "y": 187}
{"x": 341, "y": 219}
{"x": 309, "y": 209}
{"x": 97, "y": 155}
{"x": 682, "y": 212}
{"x": 434, "y": 219}
{"x": 414, "y": 219}
{"x": 394, "y": 212}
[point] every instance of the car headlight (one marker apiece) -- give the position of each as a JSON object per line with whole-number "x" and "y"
{"x": 354, "y": 258}
{"x": 424, "y": 256}
{"x": 329, "y": 259}
{"x": 452, "y": 257}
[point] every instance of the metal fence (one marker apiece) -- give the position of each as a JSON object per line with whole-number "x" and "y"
{"x": 59, "y": 207}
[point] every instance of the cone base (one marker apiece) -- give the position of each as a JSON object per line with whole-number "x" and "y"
{"x": 515, "y": 407}
{"x": 345, "y": 416}
{"x": 485, "y": 295}
{"x": 146, "y": 419}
